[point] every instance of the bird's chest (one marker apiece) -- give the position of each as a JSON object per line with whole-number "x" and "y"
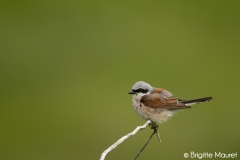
{"x": 136, "y": 101}
{"x": 141, "y": 110}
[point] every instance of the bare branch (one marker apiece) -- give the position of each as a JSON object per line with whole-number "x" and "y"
{"x": 154, "y": 126}
{"x": 123, "y": 139}
{"x": 144, "y": 145}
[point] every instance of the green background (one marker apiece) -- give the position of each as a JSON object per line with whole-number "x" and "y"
{"x": 66, "y": 68}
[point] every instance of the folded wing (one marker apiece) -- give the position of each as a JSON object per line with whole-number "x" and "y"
{"x": 157, "y": 100}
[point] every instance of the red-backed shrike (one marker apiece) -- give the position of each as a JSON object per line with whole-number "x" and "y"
{"x": 157, "y": 104}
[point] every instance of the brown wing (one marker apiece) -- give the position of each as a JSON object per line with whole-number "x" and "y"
{"x": 157, "y": 100}
{"x": 163, "y": 92}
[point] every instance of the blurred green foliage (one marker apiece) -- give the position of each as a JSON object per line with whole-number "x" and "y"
{"x": 66, "y": 68}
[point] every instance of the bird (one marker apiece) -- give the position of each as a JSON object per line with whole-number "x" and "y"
{"x": 158, "y": 104}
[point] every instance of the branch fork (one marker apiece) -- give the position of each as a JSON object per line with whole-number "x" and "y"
{"x": 153, "y": 125}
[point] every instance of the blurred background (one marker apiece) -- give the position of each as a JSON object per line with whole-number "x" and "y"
{"x": 66, "y": 68}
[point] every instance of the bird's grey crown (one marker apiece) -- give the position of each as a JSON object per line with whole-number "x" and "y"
{"x": 142, "y": 85}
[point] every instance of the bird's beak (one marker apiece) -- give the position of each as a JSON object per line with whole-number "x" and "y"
{"x": 131, "y": 92}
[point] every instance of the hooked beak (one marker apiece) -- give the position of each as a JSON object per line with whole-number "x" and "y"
{"x": 131, "y": 92}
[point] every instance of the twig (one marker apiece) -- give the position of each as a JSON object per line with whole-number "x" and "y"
{"x": 144, "y": 145}
{"x": 155, "y": 131}
{"x": 123, "y": 139}
{"x": 155, "y": 128}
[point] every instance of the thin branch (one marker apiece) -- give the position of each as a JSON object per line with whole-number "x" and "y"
{"x": 123, "y": 139}
{"x": 144, "y": 145}
{"x": 155, "y": 131}
{"x": 154, "y": 126}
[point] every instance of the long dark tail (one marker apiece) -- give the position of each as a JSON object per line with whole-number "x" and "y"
{"x": 196, "y": 101}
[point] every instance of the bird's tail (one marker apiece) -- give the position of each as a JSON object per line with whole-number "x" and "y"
{"x": 196, "y": 101}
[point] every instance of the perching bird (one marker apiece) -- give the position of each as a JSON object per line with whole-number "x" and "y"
{"x": 157, "y": 104}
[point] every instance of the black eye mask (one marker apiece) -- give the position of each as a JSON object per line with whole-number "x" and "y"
{"x": 140, "y": 90}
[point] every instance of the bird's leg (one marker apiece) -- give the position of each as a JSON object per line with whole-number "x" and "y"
{"x": 154, "y": 126}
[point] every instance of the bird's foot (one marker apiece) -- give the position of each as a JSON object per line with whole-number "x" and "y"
{"x": 153, "y": 125}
